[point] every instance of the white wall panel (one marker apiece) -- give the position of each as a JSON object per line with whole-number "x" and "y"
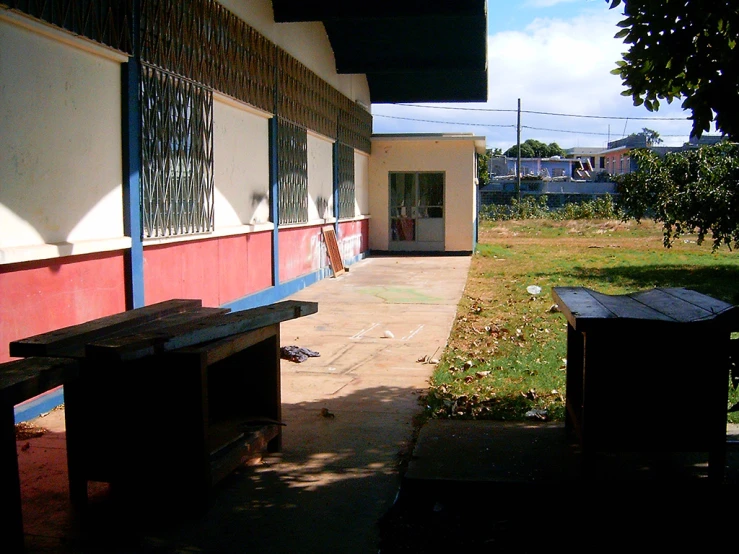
{"x": 60, "y": 142}
{"x": 361, "y": 184}
{"x": 240, "y": 165}
{"x": 320, "y": 178}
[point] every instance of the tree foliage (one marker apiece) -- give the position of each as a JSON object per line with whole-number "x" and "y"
{"x": 483, "y": 160}
{"x": 532, "y": 148}
{"x": 692, "y": 191}
{"x": 651, "y": 136}
{"x": 683, "y": 50}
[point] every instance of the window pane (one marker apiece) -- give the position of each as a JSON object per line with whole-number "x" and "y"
{"x": 402, "y": 194}
{"x": 431, "y": 195}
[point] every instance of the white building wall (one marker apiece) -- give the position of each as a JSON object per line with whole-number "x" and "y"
{"x": 60, "y": 142}
{"x": 320, "y": 178}
{"x": 240, "y": 164}
{"x": 361, "y": 184}
{"x": 456, "y": 158}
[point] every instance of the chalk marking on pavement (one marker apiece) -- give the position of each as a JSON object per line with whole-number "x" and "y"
{"x": 413, "y": 333}
{"x": 364, "y": 331}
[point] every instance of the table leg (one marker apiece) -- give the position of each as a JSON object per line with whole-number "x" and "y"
{"x": 11, "y": 520}
{"x": 574, "y": 377}
{"x": 73, "y": 397}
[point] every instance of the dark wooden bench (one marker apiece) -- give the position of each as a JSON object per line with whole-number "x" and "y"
{"x": 648, "y": 371}
{"x": 171, "y": 398}
{"x": 22, "y": 380}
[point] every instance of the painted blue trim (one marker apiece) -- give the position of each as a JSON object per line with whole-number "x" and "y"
{"x": 476, "y": 222}
{"x": 132, "y": 225}
{"x": 275, "y": 294}
{"x": 274, "y": 204}
{"x": 41, "y": 404}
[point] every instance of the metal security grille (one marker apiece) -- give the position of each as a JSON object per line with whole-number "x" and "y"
{"x": 304, "y": 98}
{"x": 292, "y": 172}
{"x": 345, "y": 163}
{"x": 355, "y": 126}
{"x": 177, "y": 155}
{"x": 105, "y": 21}
{"x": 203, "y": 41}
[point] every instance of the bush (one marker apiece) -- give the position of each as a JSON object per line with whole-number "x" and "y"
{"x": 531, "y": 207}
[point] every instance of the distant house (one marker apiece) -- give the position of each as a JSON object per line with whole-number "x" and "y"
{"x": 594, "y": 154}
{"x": 555, "y": 167}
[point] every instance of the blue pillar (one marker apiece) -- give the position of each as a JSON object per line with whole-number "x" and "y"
{"x": 131, "y": 118}
{"x": 274, "y": 200}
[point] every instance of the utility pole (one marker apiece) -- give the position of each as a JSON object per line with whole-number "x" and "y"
{"x": 518, "y": 161}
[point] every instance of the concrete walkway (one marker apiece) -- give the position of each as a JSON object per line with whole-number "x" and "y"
{"x": 348, "y": 413}
{"x": 470, "y": 486}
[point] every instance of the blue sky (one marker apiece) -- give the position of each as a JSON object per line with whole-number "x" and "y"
{"x": 556, "y": 57}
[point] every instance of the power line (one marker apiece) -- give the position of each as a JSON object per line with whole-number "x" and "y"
{"x": 506, "y": 126}
{"x": 547, "y": 113}
{"x": 446, "y": 122}
{"x": 586, "y": 132}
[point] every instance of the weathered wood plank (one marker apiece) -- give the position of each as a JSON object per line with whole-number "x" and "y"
{"x": 23, "y": 379}
{"x": 584, "y": 307}
{"x": 156, "y": 326}
{"x": 56, "y": 342}
{"x": 138, "y": 345}
{"x": 712, "y": 305}
{"x": 579, "y": 302}
{"x": 625, "y": 307}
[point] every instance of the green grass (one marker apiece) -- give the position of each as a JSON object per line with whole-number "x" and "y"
{"x": 506, "y": 353}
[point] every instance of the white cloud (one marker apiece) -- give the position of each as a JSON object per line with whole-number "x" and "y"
{"x": 554, "y": 65}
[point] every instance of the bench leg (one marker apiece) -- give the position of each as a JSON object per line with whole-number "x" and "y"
{"x": 716, "y": 465}
{"x": 11, "y": 520}
{"x": 75, "y": 445}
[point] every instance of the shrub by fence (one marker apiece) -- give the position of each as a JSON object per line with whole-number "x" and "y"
{"x": 539, "y": 207}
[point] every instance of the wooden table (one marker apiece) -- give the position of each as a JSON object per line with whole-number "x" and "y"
{"x": 170, "y": 398}
{"x": 22, "y": 380}
{"x": 648, "y": 371}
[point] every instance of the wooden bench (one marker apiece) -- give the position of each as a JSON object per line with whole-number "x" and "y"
{"x": 648, "y": 371}
{"x": 171, "y": 398}
{"x": 22, "y": 380}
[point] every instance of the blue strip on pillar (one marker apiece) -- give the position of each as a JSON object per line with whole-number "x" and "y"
{"x": 274, "y": 200}
{"x": 131, "y": 117}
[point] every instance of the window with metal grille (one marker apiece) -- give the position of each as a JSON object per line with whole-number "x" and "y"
{"x": 292, "y": 172}
{"x": 345, "y": 164}
{"x": 177, "y": 155}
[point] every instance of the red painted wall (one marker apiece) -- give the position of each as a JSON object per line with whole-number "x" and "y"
{"x": 37, "y": 297}
{"x": 301, "y": 252}
{"x": 216, "y": 271}
{"x": 353, "y": 238}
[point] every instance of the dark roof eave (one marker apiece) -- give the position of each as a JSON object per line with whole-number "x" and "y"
{"x": 413, "y": 51}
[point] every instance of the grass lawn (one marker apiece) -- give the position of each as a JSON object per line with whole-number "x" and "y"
{"x": 506, "y": 355}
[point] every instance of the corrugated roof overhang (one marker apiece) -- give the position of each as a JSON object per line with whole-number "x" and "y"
{"x": 411, "y": 51}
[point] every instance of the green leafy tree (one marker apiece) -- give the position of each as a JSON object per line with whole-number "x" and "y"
{"x": 553, "y": 149}
{"x": 652, "y": 137}
{"x": 689, "y": 191}
{"x": 526, "y": 151}
{"x": 683, "y": 50}
{"x": 483, "y": 177}
{"x": 532, "y": 148}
